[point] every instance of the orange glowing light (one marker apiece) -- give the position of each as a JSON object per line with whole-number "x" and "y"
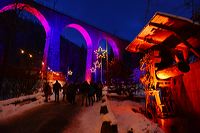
{"x": 57, "y": 74}
{"x": 174, "y": 70}
{"x": 22, "y": 51}
{"x": 30, "y": 55}
{"x": 163, "y": 76}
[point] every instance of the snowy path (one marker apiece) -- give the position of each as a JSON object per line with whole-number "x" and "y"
{"x": 54, "y": 118}
{"x": 88, "y": 121}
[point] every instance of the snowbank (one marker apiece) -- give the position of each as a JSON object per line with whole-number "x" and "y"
{"x": 108, "y": 116}
{"x": 9, "y": 107}
{"x": 127, "y": 119}
{"x": 20, "y": 99}
{"x": 125, "y": 114}
{"x": 109, "y": 122}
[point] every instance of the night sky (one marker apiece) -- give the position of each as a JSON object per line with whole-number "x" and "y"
{"x": 123, "y": 18}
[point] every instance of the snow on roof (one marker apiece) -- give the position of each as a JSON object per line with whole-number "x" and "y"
{"x": 164, "y": 28}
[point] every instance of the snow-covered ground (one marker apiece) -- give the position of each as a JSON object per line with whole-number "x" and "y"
{"x": 87, "y": 121}
{"x": 8, "y": 108}
{"x": 127, "y": 119}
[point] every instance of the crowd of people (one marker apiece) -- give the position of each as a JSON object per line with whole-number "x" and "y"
{"x": 89, "y": 92}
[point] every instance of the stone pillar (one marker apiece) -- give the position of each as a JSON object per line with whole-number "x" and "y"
{"x": 54, "y": 46}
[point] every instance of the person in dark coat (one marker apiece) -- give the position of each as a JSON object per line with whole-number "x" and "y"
{"x": 74, "y": 90}
{"x": 69, "y": 93}
{"x": 56, "y": 89}
{"x": 65, "y": 89}
{"x": 72, "y": 93}
{"x": 47, "y": 89}
{"x": 99, "y": 93}
{"x": 84, "y": 90}
{"x": 91, "y": 93}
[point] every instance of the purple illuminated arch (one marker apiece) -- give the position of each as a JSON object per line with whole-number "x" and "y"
{"x": 42, "y": 20}
{"x": 113, "y": 46}
{"x": 88, "y": 40}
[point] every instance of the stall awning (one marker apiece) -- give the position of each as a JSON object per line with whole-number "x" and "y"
{"x": 166, "y": 29}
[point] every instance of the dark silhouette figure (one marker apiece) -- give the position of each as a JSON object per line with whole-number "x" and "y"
{"x": 47, "y": 91}
{"x": 99, "y": 91}
{"x": 84, "y": 90}
{"x": 91, "y": 93}
{"x": 56, "y": 89}
{"x": 65, "y": 90}
{"x": 74, "y": 91}
{"x": 71, "y": 94}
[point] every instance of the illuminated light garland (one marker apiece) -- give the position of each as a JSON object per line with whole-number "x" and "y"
{"x": 97, "y": 64}
{"x": 93, "y": 69}
{"x": 100, "y": 53}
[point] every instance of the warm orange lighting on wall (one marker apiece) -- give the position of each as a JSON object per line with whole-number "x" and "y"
{"x": 173, "y": 71}
{"x": 168, "y": 72}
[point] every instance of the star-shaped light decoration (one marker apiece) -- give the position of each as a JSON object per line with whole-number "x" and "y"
{"x": 100, "y": 53}
{"x": 93, "y": 69}
{"x": 97, "y": 64}
{"x": 69, "y": 72}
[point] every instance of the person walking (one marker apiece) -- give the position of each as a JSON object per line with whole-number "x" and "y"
{"x": 47, "y": 89}
{"x": 65, "y": 90}
{"x": 56, "y": 89}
